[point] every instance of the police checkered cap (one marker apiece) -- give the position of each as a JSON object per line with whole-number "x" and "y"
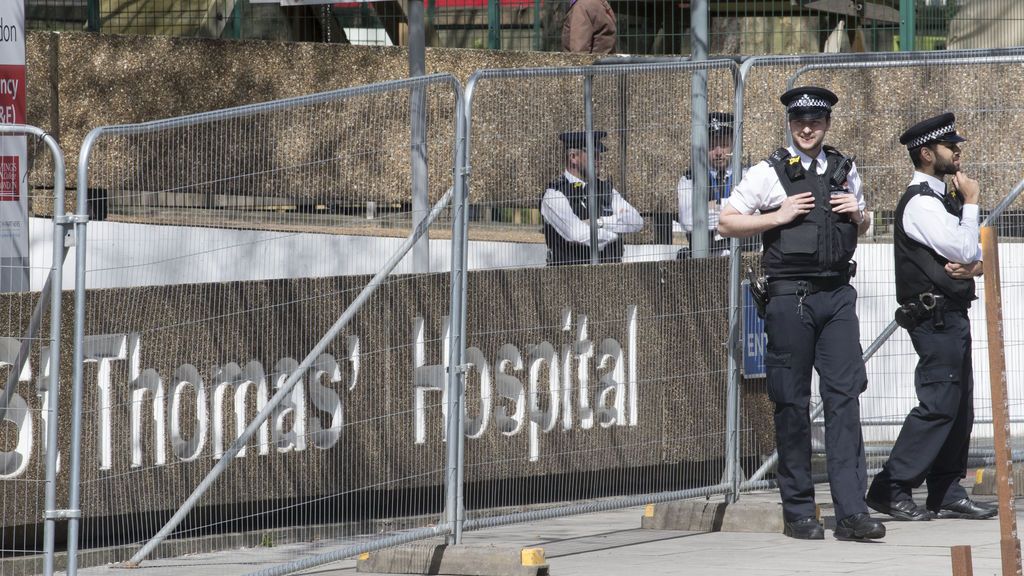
{"x": 941, "y": 128}
{"x": 811, "y": 101}
{"x": 719, "y": 122}
{"x": 808, "y": 101}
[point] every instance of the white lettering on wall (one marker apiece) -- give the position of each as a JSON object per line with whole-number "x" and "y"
{"x": 557, "y": 388}
{"x": 531, "y": 387}
{"x": 187, "y": 449}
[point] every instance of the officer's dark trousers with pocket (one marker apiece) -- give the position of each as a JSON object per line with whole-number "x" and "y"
{"x": 820, "y": 332}
{"x": 933, "y": 443}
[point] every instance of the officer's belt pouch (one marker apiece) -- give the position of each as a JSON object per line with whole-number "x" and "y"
{"x": 926, "y": 307}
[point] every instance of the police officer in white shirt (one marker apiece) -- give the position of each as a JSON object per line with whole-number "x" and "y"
{"x": 937, "y": 256}
{"x": 564, "y": 207}
{"x": 806, "y": 202}
{"x": 720, "y": 183}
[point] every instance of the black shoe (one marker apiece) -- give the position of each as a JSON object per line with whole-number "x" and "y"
{"x": 905, "y": 510}
{"x": 966, "y": 509}
{"x": 804, "y": 529}
{"x": 859, "y": 527}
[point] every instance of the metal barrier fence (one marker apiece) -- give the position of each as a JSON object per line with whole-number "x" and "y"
{"x": 644, "y": 26}
{"x": 579, "y": 388}
{"x": 219, "y": 347}
{"x": 223, "y": 247}
{"x": 31, "y": 409}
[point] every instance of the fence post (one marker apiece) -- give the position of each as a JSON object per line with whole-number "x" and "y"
{"x": 418, "y": 141}
{"x": 494, "y": 24}
{"x": 699, "y": 133}
{"x": 455, "y": 465}
{"x": 592, "y": 208}
{"x": 93, "y": 16}
{"x": 1009, "y": 544}
{"x": 907, "y": 26}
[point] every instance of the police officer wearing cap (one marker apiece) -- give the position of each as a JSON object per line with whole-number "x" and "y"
{"x": 806, "y": 202}
{"x": 720, "y": 183}
{"x": 566, "y": 212}
{"x": 937, "y": 257}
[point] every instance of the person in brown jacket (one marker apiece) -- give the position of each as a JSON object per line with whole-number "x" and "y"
{"x": 589, "y": 27}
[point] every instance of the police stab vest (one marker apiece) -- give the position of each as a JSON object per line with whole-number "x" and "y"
{"x": 560, "y": 250}
{"x": 920, "y": 269}
{"x": 821, "y": 242}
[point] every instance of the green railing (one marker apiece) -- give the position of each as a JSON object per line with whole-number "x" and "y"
{"x": 644, "y": 26}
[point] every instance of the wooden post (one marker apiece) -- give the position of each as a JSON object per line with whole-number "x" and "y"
{"x": 1009, "y": 544}
{"x": 962, "y": 565}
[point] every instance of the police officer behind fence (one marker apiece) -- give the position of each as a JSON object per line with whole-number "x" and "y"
{"x": 564, "y": 207}
{"x": 937, "y": 257}
{"x": 806, "y": 200}
{"x": 720, "y": 183}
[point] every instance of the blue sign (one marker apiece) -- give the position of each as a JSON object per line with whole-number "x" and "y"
{"x": 754, "y": 339}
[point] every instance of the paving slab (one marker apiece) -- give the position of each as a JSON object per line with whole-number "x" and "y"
{"x": 613, "y": 543}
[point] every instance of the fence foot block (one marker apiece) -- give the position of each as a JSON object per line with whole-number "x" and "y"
{"x": 703, "y": 516}
{"x": 985, "y": 481}
{"x": 475, "y": 559}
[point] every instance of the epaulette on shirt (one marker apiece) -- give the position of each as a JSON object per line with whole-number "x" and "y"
{"x": 778, "y": 157}
{"x": 923, "y": 189}
{"x": 829, "y": 149}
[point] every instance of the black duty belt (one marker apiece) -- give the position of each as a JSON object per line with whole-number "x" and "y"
{"x": 805, "y": 286}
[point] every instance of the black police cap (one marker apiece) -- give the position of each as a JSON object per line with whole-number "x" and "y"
{"x": 578, "y": 140}
{"x": 720, "y": 124}
{"x": 941, "y": 128}
{"x": 808, "y": 102}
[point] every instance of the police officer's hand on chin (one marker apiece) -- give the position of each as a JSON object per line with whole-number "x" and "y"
{"x": 967, "y": 186}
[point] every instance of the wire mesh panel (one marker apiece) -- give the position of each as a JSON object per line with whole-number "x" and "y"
{"x": 230, "y": 243}
{"x": 590, "y": 381}
{"x": 878, "y": 99}
{"x": 29, "y": 346}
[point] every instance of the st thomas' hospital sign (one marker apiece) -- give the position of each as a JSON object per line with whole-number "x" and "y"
{"x": 529, "y": 388}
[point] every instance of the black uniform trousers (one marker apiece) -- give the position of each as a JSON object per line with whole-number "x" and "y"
{"x": 933, "y": 443}
{"x": 819, "y": 331}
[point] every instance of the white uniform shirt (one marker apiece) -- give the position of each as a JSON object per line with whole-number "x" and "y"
{"x": 556, "y": 211}
{"x": 760, "y": 189}
{"x": 926, "y": 220}
{"x": 684, "y": 191}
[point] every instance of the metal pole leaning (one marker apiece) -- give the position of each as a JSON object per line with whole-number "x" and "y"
{"x": 287, "y": 386}
{"x": 1009, "y": 544}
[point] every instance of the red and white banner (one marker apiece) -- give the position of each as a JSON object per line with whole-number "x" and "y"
{"x": 13, "y": 150}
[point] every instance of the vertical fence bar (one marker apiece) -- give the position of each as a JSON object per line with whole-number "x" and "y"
{"x": 538, "y": 34}
{"x": 699, "y": 133}
{"x": 78, "y": 356}
{"x": 55, "y": 283}
{"x": 454, "y": 508}
{"x": 494, "y": 24}
{"x": 907, "y": 25}
{"x": 1009, "y": 544}
{"x": 49, "y": 297}
{"x": 592, "y": 209}
{"x": 93, "y": 16}
{"x": 418, "y": 145}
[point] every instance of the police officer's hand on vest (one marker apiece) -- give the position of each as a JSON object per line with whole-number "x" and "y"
{"x": 793, "y": 207}
{"x": 967, "y": 186}
{"x": 846, "y": 204}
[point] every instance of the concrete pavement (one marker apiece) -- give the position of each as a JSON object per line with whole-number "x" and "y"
{"x": 612, "y": 543}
